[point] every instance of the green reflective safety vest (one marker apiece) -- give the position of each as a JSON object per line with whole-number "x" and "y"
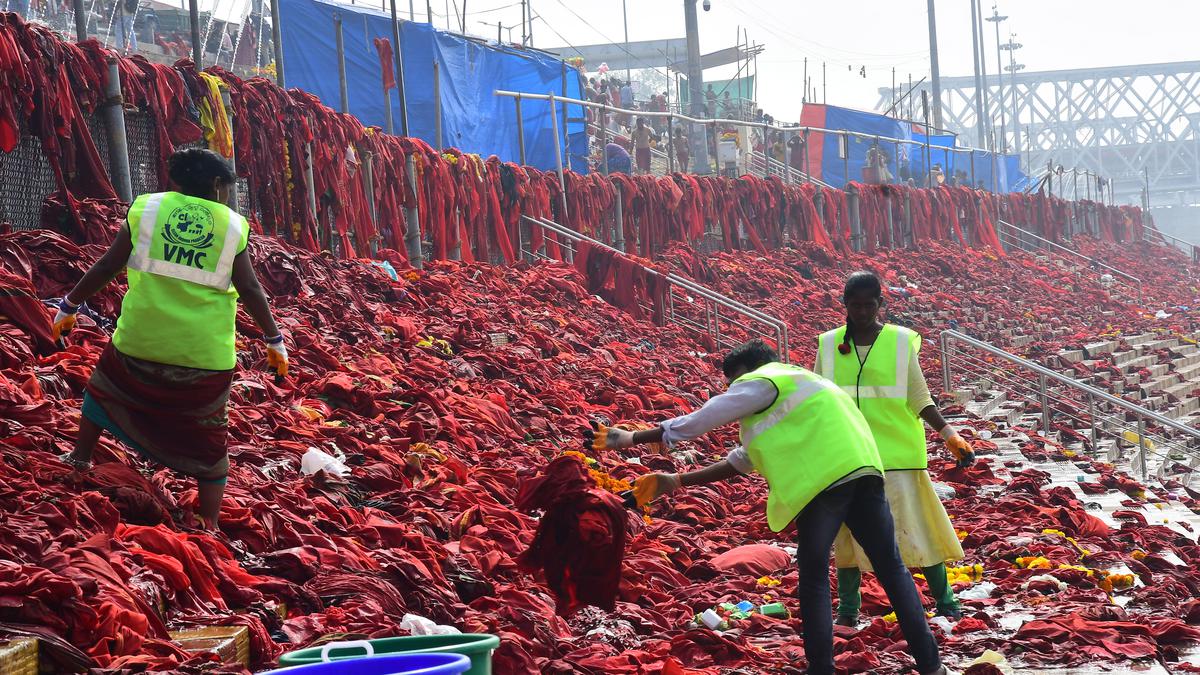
{"x": 811, "y": 437}
{"x": 881, "y": 392}
{"x": 181, "y": 306}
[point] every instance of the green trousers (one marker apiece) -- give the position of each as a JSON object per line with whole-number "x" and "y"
{"x": 850, "y": 599}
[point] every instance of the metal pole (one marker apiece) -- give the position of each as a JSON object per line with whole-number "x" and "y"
{"x": 80, "y": 20}
{"x": 233, "y": 191}
{"x": 1142, "y": 446}
{"x": 523, "y": 34}
{"x": 399, "y": 56}
{"x": 437, "y": 105}
{"x": 996, "y": 19}
{"x": 1045, "y": 405}
{"x": 987, "y": 108}
{"x": 310, "y": 187}
{"x": 341, "y": 57}
{"x": 604, "y": 139}
{"x": 411, "y": 16}
{"x": 520, "y": 130}
{"x": 980, "y": 115}
{"x": 670, "y": 144}
{"x": 947, "y": 385}
{"x": 412, "y": 230}
{"x": 856, "y": 233}
{"x": 1092, "y": 415}
{"x": 625, "y": 19}
{"x": 695, "y": 75}
{"x": 845, "y": 142}
{"x": 933, "y": 65}
{"x": 368, "y": 163}
{"x": 387, "y": 102}
{"x": 114, "y": 124}
{"x": 619, "y": 214}
{"x": 565, "y": 120}
{"x": 562, "y": 183}
{"x": 276, "y": 42}
{"x": 194, "y": 24}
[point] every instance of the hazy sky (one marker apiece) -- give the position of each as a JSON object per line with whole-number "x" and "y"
{"x": 877, "y": 34}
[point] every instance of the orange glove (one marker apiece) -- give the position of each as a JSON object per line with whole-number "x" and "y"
{"x": 277, "y": 356}
{"x": 600, "y": 437}
{"x": 654, "y": 485}
{"x": 64, "y": 320}
{"x": 959, "y": 448}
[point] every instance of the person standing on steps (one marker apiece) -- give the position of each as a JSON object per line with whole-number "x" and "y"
{"x": 877, "y": 365}
{"x": 805, "y": 436}
{"x": 162, "y": 384}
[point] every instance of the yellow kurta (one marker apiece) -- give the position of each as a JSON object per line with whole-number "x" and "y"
{"x": 924, "y": 532}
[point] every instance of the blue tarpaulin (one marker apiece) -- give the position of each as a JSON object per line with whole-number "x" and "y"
{"x": 835, "y": 161}
{"x": 474, "y": 119}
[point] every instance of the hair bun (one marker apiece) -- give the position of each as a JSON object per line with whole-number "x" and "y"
{"x": 844, "y": 348}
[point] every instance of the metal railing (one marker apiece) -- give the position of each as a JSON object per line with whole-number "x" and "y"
{"x": 1064, "y": 400}
{"x": 1175, "y": 242}
{"x": 687, "y": 303}
{"x": 1012, "y": 236}
{"x": 845, "y": 136}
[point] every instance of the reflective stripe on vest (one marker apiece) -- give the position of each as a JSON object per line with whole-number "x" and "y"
{"x": 881, "y": 391}
{"x": 181, "y": 306}
{"x": 182, "y": 213}
{"x": 809, "y": 438}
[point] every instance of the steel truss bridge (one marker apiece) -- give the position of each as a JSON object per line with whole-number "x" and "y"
{"x": 1132, "y": 124}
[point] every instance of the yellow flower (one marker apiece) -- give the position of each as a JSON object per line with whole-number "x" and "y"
{"x": 769, "y": 581}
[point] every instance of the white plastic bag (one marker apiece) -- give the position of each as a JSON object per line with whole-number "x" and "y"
{"x": 980, "y": 591}
{"x": 419, "y": 625}
{"x": 317, "y": 460}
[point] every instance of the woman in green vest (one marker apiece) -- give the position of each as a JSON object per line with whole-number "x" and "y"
{"x": 876, "y": 364}
{"x": 162, "y": 384}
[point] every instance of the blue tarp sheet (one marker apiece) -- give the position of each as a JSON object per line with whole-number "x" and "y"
{"x": 474, "y": 119}
{"x": 911, "y": 158}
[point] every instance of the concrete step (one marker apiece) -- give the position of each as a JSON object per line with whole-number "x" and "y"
{"x": 1159, "y": 384}
{"x": 1071, "y": 356}
{"x": 1122, "y": 358}
{"x": 1189, "y": 373}
{"x": 1141, "y": 339}
{"x": 1097, "y": 348}
{"x": 1186, "y": 407}
{"x": 1159, "y": 369}
{"x": 1139, "y": 363}
{"x": 1186, "y": 361}
{"x": 1162, "y": 344}
{"x": 1022, "y": 340}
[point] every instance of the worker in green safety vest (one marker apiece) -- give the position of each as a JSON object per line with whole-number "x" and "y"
{"x": 162, "y": 384}
{"x": 876, "y": 364}
{"x": 805, "y": 436}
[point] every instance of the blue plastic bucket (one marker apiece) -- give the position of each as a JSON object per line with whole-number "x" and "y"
{"x": 395, "y": 664}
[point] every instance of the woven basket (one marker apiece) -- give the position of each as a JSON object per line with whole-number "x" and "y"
{"x": 231, "y": 643}
{"x": 19, "y": 657}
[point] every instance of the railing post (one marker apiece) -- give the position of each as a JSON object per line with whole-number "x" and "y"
{"x": 412, "y": 222}
{"x": 521, "y": 132}
{"x": 946, "y": 384}
{"x": 619, "y": 216}
{"x": 1092, "y": 414}
{"x": 856, "y": 231}
{"x": 233, "y": 191}
{"x": 846, "y": 158}
{"x": 562, "y": 183}
{"x": 909, "y": 237}
{"x": 670, "y": 143}
{"x": 437, "y": 104}
{"x": 114, "y": 124}
{"x": 1142, "y": 446}
{"x": 368, "y": 164}
{"x": 341, "y": 62}
{"x": 1045, "y": 399}
{"x": 603, "y": 117}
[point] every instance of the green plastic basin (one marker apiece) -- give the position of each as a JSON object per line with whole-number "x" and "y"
{"x": 476, "y": 646}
